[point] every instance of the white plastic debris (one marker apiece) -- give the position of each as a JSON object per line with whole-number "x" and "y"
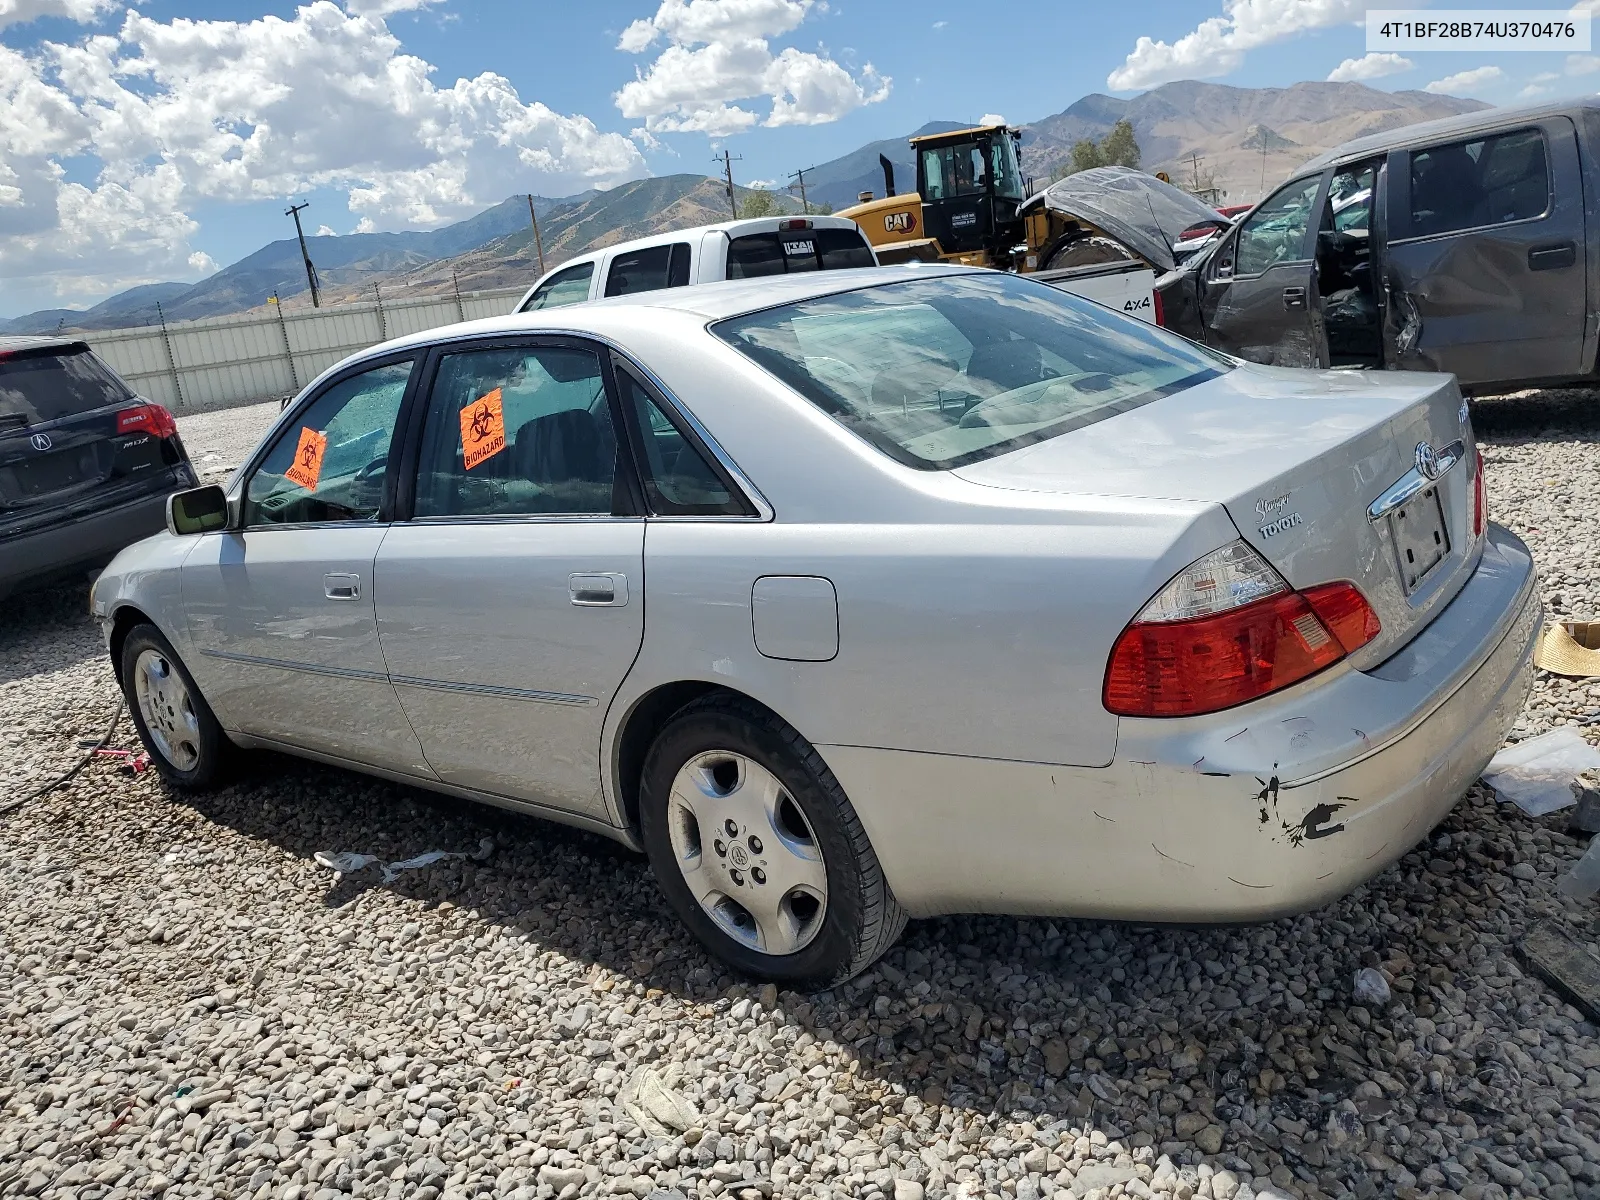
{"x": 1371, "y": 987}
{"x": 1538, "y": 775}
{"x": 347, "y": 861}
{"x": 1583, "y": 880}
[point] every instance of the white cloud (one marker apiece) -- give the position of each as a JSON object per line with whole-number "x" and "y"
{"x": 1582, "y": 64}
{"x": 940, "y": 24}
{"x": 202, "y": 263}
{"x": 325, "y": 231}
{"x": 1218, "y": 44}
{"x": 19, "y": 12}
{"x": 178, "y": 112}
{"x": 1465, "y": 81}
{"x": 1369, "y": 66}
{"x": 716, "y": 61}
{"x": 383, "y": 8}
{"x": 991, "y": 119}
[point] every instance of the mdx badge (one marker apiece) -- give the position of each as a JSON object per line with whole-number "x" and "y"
{"x": 40, "y": 441}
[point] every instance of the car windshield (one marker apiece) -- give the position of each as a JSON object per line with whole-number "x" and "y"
{"x": 951, "y": 370}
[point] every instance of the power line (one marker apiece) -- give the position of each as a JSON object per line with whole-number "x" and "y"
{"x": 311, "y": 272}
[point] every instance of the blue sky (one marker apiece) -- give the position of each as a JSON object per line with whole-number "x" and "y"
{"x": 163, "y": 141}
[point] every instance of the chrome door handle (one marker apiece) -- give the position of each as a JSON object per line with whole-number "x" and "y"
{"x": 599, "y": 590}
{"x": 341, "y": 585}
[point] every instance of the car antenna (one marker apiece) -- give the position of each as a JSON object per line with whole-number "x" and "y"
{"x": 1148, "y": 203}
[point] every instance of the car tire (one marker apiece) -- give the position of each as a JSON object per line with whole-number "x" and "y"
{"x": 1082, "y": 250}
{"x": 819, "y": 909}
{"x": 178, "y": 729}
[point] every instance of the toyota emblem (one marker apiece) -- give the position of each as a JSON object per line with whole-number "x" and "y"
{"x": 40, "y": 441}
{"x": 1427, "y": 461}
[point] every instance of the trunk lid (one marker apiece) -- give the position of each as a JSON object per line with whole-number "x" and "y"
{"x": 1296, "y": 458}
{"x": 64, "y": 444}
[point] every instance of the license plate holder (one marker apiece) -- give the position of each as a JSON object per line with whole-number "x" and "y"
{"x": 1421, "y": 539}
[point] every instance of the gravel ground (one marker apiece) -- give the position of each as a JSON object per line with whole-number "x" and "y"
{"x": 193, "y": 1007}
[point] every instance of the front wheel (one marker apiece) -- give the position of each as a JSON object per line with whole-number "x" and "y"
{"x": 758, "y": 849}
{"x": 174, "y": 722}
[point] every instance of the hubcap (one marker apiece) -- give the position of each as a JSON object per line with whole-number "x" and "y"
{"x": 747, "y": 852}
{"x": 167, "y": 710}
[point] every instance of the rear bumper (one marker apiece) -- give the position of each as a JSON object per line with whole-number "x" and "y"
{"x": 1266, "y": 810}
{"x": 79, "y": 544}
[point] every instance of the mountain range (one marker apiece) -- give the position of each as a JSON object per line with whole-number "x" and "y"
{"x": 1237, "y": 141}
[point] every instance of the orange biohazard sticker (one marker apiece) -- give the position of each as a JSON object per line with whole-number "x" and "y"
{"x": 307, "y": 468}
{"x": 483, "y": 429}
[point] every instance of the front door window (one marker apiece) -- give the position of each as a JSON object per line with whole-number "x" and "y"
{"x": 333, "y": 462}
{"x": 1276, "y": 232}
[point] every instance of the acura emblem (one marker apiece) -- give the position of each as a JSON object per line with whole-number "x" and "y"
{"x": 1427, "y": 461}
{"x": 40, "y": 441}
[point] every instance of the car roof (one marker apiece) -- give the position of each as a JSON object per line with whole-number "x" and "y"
{"x": 17, "y": 343}
{"x": 1481, "y": 121}
{"x": 739, "y": 228}
{"x": 707, "y": 301}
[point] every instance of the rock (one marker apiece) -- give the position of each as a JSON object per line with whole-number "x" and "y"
{"x": 1209, "y": 1139}
{"x": 1224, "y": 1185}
{"x": 1100, "y": 1175}
{"x": 907, "y": 1189}
{"x": 1190, "y": 1123}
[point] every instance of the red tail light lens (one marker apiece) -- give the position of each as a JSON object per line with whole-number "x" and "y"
{"x": 147, "y": 418}
{"x": 1161, "y": 312}
{"x": 1164, "y": 667}
{"x": 1480, "y": 502}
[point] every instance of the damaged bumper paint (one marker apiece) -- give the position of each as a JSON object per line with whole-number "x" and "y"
{"x": 1262, "y": 811}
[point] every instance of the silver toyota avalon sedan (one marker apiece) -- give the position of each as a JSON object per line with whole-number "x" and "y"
{"x": 856, "y": 596}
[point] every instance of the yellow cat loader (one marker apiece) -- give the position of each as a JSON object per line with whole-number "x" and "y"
{"x": 972, "y": 206}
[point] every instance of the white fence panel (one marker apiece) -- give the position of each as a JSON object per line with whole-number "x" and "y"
{"x": 192, "y": 366}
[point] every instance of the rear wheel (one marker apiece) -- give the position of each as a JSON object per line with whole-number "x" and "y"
{"x": 758, "y": 849}
{"x": 174, "y": 722}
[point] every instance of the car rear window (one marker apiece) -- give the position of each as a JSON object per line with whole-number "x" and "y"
{"x": 61, "y": 383}
{"x": 940, "y": 372}
{"x": 781, "y": 253}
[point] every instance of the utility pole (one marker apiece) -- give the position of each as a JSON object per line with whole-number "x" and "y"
{"x": 538, "y": 242}
{"x": 727, "y": 172}
{"x": 801, "y": 176}
{"x": 311, "y": 272}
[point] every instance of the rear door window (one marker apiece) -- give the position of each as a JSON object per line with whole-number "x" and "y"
{"x": 648, "y": 270}
{"x": 1488, "y": 181}
{"x": 518, "y": 430}
{"x": 35, "y": 388}
{"x": 564, "y": 287}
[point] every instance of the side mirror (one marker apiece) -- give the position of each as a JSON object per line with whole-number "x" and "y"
{"x": 198, "y": 510}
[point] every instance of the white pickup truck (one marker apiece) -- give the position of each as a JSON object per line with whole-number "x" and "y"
{"x": 704, "y": 254}
{"x": 777, "y": 246}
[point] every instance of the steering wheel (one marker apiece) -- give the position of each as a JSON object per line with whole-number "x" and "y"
{"x": 375, "y": 467}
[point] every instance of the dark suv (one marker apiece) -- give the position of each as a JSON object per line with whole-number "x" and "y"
{"x": 85, "y": 465}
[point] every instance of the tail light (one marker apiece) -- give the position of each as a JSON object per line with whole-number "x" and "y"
{"x": 1161, "y": 312}
{"x": 794, "y": 223}
{"x": 1480, "y": 502}
{"x": 147, "y": 418}
{"x": 1228, "y": 630}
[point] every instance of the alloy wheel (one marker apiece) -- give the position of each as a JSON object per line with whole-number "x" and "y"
{"x": 747, "y": 852}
